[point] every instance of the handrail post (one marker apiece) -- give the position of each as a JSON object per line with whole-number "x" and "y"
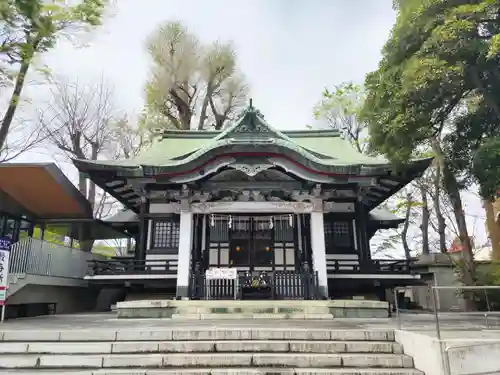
{"x": 396, "y": 305}
{"x": 444, "y": 354}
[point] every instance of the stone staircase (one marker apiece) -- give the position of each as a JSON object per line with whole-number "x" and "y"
{"x": 204, "y": 351}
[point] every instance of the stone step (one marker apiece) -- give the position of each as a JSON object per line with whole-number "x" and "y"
{"x": 193, "y": 360}
{"x": 195, "y": 334}
{"x": 200, "y": 346}
{"x": 225, "y": 371}
{"x": 273, "y": 316}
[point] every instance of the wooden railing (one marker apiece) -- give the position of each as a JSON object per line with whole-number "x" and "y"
{"x": 257, "y": 285}
{"x": 130, "y": 266}
{"x": 375, "y": 266}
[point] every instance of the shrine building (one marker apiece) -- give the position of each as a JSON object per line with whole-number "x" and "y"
{"x": 258, "y": 200}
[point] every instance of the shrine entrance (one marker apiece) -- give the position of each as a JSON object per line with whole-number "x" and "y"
{"x": 251, "y": 242}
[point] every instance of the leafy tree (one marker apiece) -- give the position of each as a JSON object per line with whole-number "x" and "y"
{"x": 486, "y": 169}
{"x": 191, "y": 85}
{"x": 31, "y": 27}
{"x": 340, "y": 110}
{"x": 436, "y": 87}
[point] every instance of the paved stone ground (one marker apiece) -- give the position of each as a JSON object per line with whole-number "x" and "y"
{"x": 454, "y": 327}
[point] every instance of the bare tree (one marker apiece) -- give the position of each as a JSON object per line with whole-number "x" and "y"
{"x": 30, "y": 28}
{"x": 81, "y": 121}
{"x": 191, "y": 85}
{"x": 24, "y": 136}
{"x": 77, "y": 123}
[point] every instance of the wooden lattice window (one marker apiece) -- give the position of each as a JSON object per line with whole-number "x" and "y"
{"x": 339, "y": 237}
{"x": 165, "y": 234}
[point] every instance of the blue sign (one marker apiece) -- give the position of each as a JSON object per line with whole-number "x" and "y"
{"x": 5, "y": 244}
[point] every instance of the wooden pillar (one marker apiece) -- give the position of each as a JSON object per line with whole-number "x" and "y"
{"x": 306, "y": 240}
{"x": 140, "y": 249}
{"x": 198, "y": 241}
{"x": 297, "y": 241}
{"x": 362, "y": 235}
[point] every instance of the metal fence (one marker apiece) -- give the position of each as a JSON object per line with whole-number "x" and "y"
{"x": 257, "y": 285}
{"x": 481, "y": 321}
{"x": 36, "y": 257}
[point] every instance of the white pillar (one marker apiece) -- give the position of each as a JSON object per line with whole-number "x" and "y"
{"x": 185, "y": 249}
{"x": 318, "y": 251}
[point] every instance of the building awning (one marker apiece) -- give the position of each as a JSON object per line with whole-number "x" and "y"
{"x": 385, "y": 218}
{"x": 85, "y": 229}
{"x": 40, "y": 191}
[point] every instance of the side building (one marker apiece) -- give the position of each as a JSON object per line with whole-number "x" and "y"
{"x": 255, "y": 199}
{"x": 44, "y": 216}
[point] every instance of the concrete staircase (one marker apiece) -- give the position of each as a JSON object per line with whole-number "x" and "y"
{"x": 204, "y": 351}
{"x": 16, "y": 282}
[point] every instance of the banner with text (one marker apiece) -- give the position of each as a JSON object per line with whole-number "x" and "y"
{"x": 221, "y": 274}
{"x": 5, "y": 244}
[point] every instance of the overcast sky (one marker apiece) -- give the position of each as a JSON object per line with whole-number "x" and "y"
{"x": 289, "y": 50}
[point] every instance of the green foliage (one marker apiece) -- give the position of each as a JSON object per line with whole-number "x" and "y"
{"x": 489, "y": 299}
{"x": 439, "y": 58}
{"x": 487, "y": 167}
{"x": 33, "y": 26}
{"x": 340, "y": 109}
{"x": 191, "y": 84}
{"x": 55, "y": 236}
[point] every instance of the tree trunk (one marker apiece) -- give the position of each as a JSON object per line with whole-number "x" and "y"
{"x": 92, "y": 188}
{"x": 441, "y": 229}
{"x": 404, "y": 232}
{"x": 91, "y": 197}
{"x": 82, "y": 184}
{"x": 204, "y": 108}
{"x": 424, "y": 225}
{"x": 450, "y": 185}
{"x": 493, "y": 229}
{"x": 14, "y": 102}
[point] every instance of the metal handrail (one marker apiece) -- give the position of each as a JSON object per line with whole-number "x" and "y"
{"x": 444, "y": 351}
{"x": 37, "y": 257}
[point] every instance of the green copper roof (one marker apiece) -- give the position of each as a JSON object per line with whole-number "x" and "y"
{"x": 175, "y": 148}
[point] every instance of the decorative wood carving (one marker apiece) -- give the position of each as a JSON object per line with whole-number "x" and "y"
{"x": 316, "y": 191}
{"x": 338, "y": 207}
{"x": 164, "y": 208}
{"x": 251, "y": 169}
{"x": 301, "y": 196}
{"x": 199, "y": 196}
{"x": 252, "y": 207}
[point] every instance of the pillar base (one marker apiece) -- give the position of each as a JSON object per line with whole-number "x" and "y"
{"x": 182, "y": 292}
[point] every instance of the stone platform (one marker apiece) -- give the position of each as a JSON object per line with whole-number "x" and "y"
{"x": 275, "y": 309}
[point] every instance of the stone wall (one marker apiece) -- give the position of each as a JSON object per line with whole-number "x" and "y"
{"x": 68, "y": 299}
